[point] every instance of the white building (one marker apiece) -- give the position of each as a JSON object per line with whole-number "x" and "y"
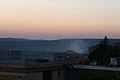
{"x": 115, "y": 61}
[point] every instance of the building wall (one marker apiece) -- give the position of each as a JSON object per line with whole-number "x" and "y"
{"x": 58, "y": 74}
{"x": 55, "y": 75}
{"x": 70, "y": 58}
{"x": 44, "y": 72}
{"x": 34, "y": 76}
{"x": 12, "y": 76}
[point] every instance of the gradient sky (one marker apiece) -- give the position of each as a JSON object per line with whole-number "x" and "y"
{"x": 55, "y": 19}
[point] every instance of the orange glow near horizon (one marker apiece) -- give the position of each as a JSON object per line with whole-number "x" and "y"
{"x": 59, "y": 19}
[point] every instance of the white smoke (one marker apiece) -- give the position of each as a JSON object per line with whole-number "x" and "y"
{"x": 79, "y": 46}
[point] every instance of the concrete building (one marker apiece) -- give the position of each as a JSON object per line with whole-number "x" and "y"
{"x": 115, "y": 61}
{"x": 70, "y": 57}
{"x": 23, "y": 72}
{"x": 58, "y": 72}
{"x": 29, "y": 65}
{"x": 25, "y": 57}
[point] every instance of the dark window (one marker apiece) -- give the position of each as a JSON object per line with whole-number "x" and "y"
{"x": 59, "y": 57}
{"x": 76, "y": 57}
{"x": 47, "y": 75}
{"x": 59, "y": 73}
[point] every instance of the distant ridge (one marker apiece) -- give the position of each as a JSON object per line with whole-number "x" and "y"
{"x": 13, "y": 39}
{"x": 77, "y": 45}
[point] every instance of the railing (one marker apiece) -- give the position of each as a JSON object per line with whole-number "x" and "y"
{"x": 25, "y": 58}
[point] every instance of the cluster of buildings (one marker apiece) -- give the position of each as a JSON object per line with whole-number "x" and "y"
{"x": 42, "y": 65}
{"x": 31, "y": 65}
{"x": 33, "y": 57}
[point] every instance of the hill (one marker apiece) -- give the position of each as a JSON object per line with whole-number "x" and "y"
{"x": 78, "y": 45}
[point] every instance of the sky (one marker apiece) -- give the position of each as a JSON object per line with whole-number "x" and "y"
{"x": 58, "y": 19}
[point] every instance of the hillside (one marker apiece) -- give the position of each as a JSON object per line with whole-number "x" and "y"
{"x": 78, "y": 45}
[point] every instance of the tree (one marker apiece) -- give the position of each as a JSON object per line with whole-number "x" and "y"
{"x": 104, "y": 52}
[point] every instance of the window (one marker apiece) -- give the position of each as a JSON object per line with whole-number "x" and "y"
{"x": 59, "y": 72}
{"x": 47, "y": 75}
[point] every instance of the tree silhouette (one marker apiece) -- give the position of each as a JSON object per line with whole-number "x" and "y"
{"x": 104, "y": 52}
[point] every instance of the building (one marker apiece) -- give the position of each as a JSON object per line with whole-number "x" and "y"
{"x": 57, "y": 72}
{"x": 70, "y": 57}
{"x": 34, "y": 71}
{"x": 30, "y": 72}
{"x": 29, "y": 65}
{"x": 26, "y": 57}
{"x": 115, "y": 61}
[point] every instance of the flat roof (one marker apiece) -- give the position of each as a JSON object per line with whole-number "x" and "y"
{"x": 97, "y": 67}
